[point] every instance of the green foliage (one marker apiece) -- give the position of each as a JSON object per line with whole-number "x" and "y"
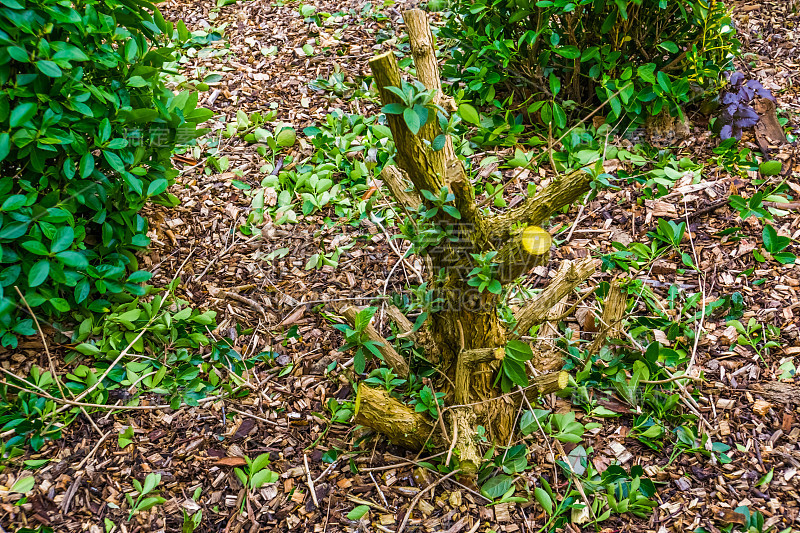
{"x": 170, "y": 356}
{"x": 482, "y": 275}
{"x": 414, "y": 104}
{"x": 356, "y": 337}
{"x": 87, "y": 127}
{"x": 256, "y": 475}
{"x": 775, "y": 244}
{"x": 384, "y": 377}
{"x": 176, "y": 358}
{"x": 513, "y": 370}
{"x": 643, "y": 56}
{"x": 425, "y": 401}
{"x": 192, "y": 521}
{"x": 144, "y": 502}
{"x": 759, "y": 337}
{"x": 29, "y": 417}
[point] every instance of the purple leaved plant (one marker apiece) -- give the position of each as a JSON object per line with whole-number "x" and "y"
{"x": 737, "y": 113}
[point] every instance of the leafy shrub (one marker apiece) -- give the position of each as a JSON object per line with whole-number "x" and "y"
{"x": 87, "y": 127}
{"x": 643, "y": 56}
{"x": 737, "y": 113}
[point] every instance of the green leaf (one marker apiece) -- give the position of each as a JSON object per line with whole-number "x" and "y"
{"x": 262, "y": 477}
{"x": 515, "y": 371}
{"x": 23, "y": 485}
{"x": 358, "y": 512}
{"x": 544, "y": 499}
{"x": 669, "y": 46}
{"x": 519, "y": 350}
{"x": 86, "y": 166}
{"x": 150, "y": 482}
{"x": 149, "y": 503}
{"x": 38, "y": 273}
{"x": 664, "y": 82}
{"x": 770, "y": 168}
{"x": 647, "y": 72}
{"x": 469, "y": 113}
{"x": 412, "y": 120}
{"x": 63, "y": 239}
{"x": 156, "y": 187}
{"x": 5, "y": 145}
{"x": 260, "y": 462}
{"x": 13, "y": 230}
{"x": 73, "y": 259}
{"x": 136, "y": 81}
{"x": 13, "y": 202}
{"x": 389, "y": 109}
{"x": 48, "y": 68}
{"x": 35, "y": 247}
{"x": 497, "y": 486}
{"x": 555, "y": 84}
{"x": 286, "y": 137}
{"x": 22, "y": 114}
{"x": 568, "y": 52}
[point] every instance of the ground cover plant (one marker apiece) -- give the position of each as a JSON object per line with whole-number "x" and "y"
{"x": 310, "y": 301}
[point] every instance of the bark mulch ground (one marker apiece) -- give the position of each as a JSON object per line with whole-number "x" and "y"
{"x": 263, "y": 67}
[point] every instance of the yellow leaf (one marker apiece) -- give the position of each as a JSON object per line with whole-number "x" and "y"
{"x": 536, "y": 240}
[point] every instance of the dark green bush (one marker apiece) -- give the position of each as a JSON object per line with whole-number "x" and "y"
{"x": 568, "y": 54}
{"x": 87, "y": 128}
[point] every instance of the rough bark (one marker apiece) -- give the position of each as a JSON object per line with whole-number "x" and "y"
{"x": 560, "y": 286}
{"x": 539, "y": 207}
{"x": 377, "y": 409}
{"x": 398, "y": 185}
{"x": 613, "y": 311}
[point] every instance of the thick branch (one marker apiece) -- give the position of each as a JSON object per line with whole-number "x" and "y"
{"x": 390, "y": 355}
{"x": 400, "y": 186}
{"x": 377, "y": 409}
{"x": 560, "y": 286}
{"x": 412, "y": 154}
{"x": 421, "y": 41}
{"x": 536, "y": 209}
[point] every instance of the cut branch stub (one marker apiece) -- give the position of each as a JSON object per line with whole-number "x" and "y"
{"x": 547, "y": 384}
{"x": 560, "y": 286}
{"x": 377, "y": 409}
